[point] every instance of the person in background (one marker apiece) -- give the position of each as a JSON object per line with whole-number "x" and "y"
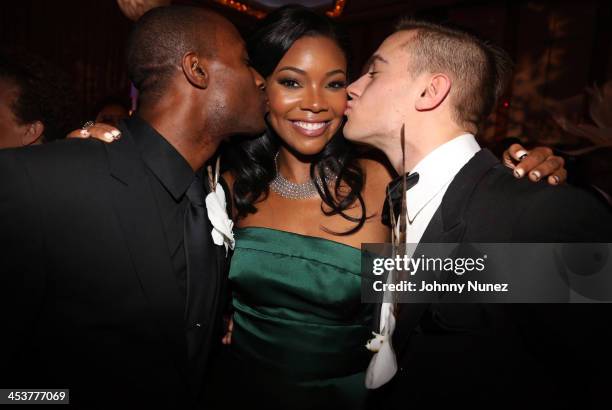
{"x": 36, "y": 101}
{"x": 111, "y": 110}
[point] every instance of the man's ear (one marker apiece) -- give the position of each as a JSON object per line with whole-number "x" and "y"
{"x": 33, "y": 133}
{"x": 435, "y": 92}
{"x": 195, "y": 70}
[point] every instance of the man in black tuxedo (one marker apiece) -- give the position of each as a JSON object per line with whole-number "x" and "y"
{"x": 111, "y": 283}
{"x": 435, "y": 85}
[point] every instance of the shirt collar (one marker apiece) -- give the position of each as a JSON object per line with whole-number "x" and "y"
{"x": 437, "y": 169}
{"x": 168, "y": 166}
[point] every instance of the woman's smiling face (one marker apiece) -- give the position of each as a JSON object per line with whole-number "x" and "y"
{"x": 307, "y": 94}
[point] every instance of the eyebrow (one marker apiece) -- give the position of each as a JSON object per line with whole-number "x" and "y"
{"x": 338, "y": 71}
{"x": 297, "y": 70}
{"x": 302, "y": 72}
{"x": 374, "y": 58}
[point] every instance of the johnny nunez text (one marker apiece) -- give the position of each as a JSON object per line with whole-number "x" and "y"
{"x": 425, "y": 286}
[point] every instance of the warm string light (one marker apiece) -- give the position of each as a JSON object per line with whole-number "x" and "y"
{"x": 243, "y": 8}
{"x": 336, "y": 11}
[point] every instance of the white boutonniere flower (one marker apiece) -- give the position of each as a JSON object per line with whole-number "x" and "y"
{"x": 222, "y": 233}
{"x": 374, "y": 344}
{"x": 383, "y": 365}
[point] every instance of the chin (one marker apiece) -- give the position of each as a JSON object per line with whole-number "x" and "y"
{"x": 309, "y": 149}
{"x": 352, "y": 136}
{"x": 348, "y": 135}
{"x": 349, "y": 131}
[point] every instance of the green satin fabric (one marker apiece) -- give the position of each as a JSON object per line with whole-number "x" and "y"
{"x": 298, "y": 312}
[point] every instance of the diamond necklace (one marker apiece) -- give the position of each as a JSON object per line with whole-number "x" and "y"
{"x": 292, "y": 190}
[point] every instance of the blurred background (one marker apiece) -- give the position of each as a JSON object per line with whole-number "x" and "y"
{"x": 561, "y": 93}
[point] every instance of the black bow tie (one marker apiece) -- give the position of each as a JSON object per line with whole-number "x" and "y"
{"x": 395, "y": 192}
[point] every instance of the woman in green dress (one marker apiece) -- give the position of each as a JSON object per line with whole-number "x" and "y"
{"x": 299, "y": 327}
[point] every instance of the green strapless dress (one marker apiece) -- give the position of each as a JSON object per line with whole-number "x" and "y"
{"x": 299, "y": 324}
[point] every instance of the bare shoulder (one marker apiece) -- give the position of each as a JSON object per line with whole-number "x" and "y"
{"x": 377, "y": 175}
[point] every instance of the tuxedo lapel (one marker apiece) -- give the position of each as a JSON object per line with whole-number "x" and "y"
{"x": 446, "y": 226}
{"x": 215, "y": 258}
{"x": 212, "y": 276}
{"x": 411, "y": 313}
{"x": 203, "y": 303}
{"x": 139, "y": 218}
{"x": 212, "y": 292}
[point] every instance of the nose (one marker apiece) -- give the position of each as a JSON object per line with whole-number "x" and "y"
{"x": 259, "y": 80}
{"x": 354, "y": 88}
{"x": 313, "y": 100}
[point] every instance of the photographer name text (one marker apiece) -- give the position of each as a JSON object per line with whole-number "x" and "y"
{"x": 425, "y": 286}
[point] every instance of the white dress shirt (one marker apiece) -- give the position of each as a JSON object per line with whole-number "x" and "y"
{"x": 436, "y": 171}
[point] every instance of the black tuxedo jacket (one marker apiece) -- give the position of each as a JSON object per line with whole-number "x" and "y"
{"x": 503, "y": 355}
{"x": 90, "y": 300}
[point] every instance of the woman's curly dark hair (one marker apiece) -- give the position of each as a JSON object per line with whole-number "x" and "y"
{"x": 45, "y": 93}
{"x": 252, "y": 160}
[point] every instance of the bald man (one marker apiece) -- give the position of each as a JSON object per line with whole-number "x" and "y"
{"x": 112, "y": 283}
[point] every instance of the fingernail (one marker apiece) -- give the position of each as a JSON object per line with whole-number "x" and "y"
{"x": 116, "y": 134}
{"x": 536, "y": 175}
{"x": 557, "y": 179}
{"x": 108, "y": 136}
{"x": 84, "y": 133}
{"x": 521, "y": 154}
{"x": 518, "y": 172}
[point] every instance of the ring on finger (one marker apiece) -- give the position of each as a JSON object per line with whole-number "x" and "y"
{"x": 88, "y": 125}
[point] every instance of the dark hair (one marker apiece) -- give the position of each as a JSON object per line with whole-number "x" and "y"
{"x": 45, "y": 93}
{"x": 252, "y": 160}
{"x": 159, "y": 40}
{"x": 480, "y": 70}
